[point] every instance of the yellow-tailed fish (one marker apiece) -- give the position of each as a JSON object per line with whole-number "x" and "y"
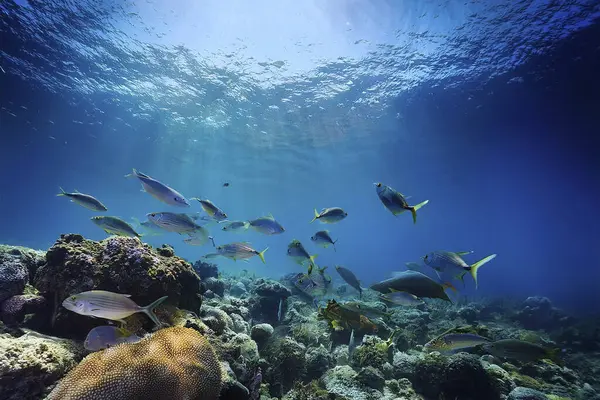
{"x": 447, "y": 262}
{"x": 176, "y": 222}
{"x": 396, "y": 202}
{"x": 520, "y": 350}
{"x": 323, "y": 239}
{"x": 109, "y": 305}
{"x": 235, "y": 226}
{"x": 115, "y": 226}
{"x": 105, "y": 336}
{"x": 266, "y": 225}
{"x": 454, "y": 342}
{"x": 299, "y": 254}
{"x": 84, "y": 200}
{"x": 330, "y": 215}
{"x": 211, "y": 209}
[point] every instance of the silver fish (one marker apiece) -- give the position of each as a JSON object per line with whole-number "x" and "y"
{"x": 401, "y": 298}
{"x": 215, "y": 212}
{"x": 451, "y": 263}
{"x": 109, "y": 305}
{"x": 349, "y": 277}
{"x": 103, "y": 337}
{"x": 280, "y": 310}
{"x": 115, "y": 226}
{"x": 238, "y": 251}
{"x": 323, "y": 239}
{"x": 396, "y": 201}
{"x": 85, "y": 200}
{"x": 330, "y": 215}
{"x": 175, "y": 222}
{"x": 200, "y": 238}
{"x": 160, "y": 191}
{"x": 235, "y": 226}
{"x": 266, "y": 225}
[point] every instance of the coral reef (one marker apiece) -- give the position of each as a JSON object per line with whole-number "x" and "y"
{"x": 173, "y": 363}
{"x": 31, "y": 362}
{"x": 17, "y": 265}
{"x": 117, "y": 264}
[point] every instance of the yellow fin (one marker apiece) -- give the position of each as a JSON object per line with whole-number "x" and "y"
{"x": 316, "y": 216}
{"x": 475, "y": 267}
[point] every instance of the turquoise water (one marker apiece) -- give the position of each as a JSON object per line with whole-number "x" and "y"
{"x": 487, "y": 109}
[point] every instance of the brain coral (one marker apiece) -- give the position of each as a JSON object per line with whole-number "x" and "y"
{"x": 174, "y": 363}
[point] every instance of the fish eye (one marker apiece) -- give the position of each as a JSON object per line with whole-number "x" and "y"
{"x": 153, "y": 215}
{"x": 378, "y": 185}
{"x": 73, "y": 298}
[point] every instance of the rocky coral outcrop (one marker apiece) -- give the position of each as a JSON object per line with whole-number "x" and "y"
{"x": 118, "y": 264}
{"x": 32, "y": 362}
{"x": 17, "y": 264}
{"x": 173, "y": 363}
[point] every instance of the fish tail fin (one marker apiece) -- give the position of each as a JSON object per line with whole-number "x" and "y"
{"x": 475, "y": 267}
{"x": 132, "y": 174}
{"x": 246, "y": 225}
{"x": 414, "y": 209}
{"x": 449, "y": 285}
{"x": 334, "y": 242}
{"x": 262, "y": 255}
{"x": 62, "y": 192}
{"x": 149, "y": 310}
{"x": 315, "y": 217}
{"x": 312, "y": 260}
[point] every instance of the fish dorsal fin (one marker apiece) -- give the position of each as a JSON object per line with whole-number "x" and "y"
{"x": 270, "y": 216}
{"x": 464, "y": 253}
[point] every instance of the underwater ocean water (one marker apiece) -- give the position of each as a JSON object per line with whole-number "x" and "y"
{"x": 487, "y": 109}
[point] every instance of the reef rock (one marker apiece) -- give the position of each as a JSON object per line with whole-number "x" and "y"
{"x": 14, "y": 309}
{"x": 265, "y": 305}
{"x": 522, "y": 393}
{"x": 117, "y": 264}
{"x": 32, "y": 362}
{"x": 16, "y": 266}
{"x": 206, "y": 270}
{"x": 173, "y": 363}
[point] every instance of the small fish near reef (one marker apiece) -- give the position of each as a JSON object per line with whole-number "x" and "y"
{"x": 176, "y": 222}
{"x": 211, "y": 209}
{"x": 238, "y": 251}
{"x": 330, "y": 215}
{"x": 415, "y": 283}
{"x": 159, "y": 190}
{"x": 115, "y": 226}
{"x": 266, "y": 225}
{"x": 105, "y": 336}
{"x": 454, "y": 342}
{"x": 520, "y": 350}
{"x": 396, "y": 202}
{"x": 349, "y": 277}
{"x": 299, "y": 254}
{"x": 235, "y": 226}
{"x": 109, "y": 305}
{"x": 397, "y": 298}
{"x": 84, "y": 200}
{"x": 340, "y": 318}
{"x": 447, "y": 262}
{"x": 323, "y": 239}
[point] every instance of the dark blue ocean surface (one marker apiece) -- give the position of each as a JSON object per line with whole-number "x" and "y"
{"x": 489, "y": 109}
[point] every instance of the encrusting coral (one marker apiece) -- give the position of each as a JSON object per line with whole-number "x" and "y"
{"x": 173, "y": 363}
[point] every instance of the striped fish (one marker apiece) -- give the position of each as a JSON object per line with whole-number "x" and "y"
{"x": 109, "y": 305}
{"x": 159, "y": 190}
{"x": 176, "y": 222}
{"x": 115, "y": 226}
{"x": 84, "y": 200}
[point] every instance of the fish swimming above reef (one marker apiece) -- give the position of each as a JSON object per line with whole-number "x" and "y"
{"x": 323, "y": 239}
{"x": 396, "y": 202}
{"x": 84, "y": 200}
{"x": 109, "y": 305}
{"x": 105, "y": 336}
{"x": 211, "y": 209}
{"x": 115, "y": 226}
{"x": 238, "y": 251}
{"x": 415, "y": 283}
{"x": 365, "y": 309}
{"x": 520, "y": 350}
{"x": 349, "y": 277}
{"x": 266, "y": 225}
{"x": 176, "y": 222}
{"x": 235, "y": 226}
{"x": 400, "y": 298}
{"x": 330, "y": 215}
{"x": 453, "y": 342}
{"x": 299, "y": 254}
{"x": 159, "y": 190}
{"x": 449, "y": 263}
